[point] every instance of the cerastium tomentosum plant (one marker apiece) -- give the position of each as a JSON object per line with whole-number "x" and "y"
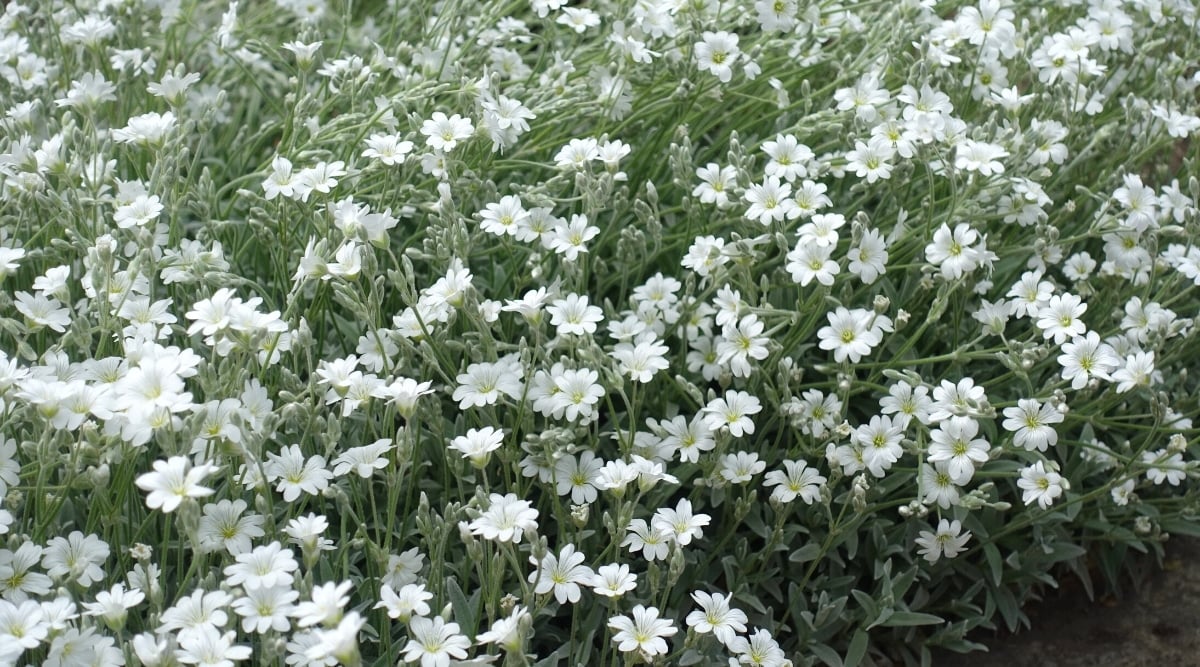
{"x": 680, "y": 332}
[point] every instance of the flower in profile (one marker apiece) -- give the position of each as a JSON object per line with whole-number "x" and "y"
{"x": 172, "y": 481}
{"x": 644, "y": 632}
{"x": 507, "y": 632}
{"x": 389, "y": 149}
{"x": 948, "y": 541}
{"x": 149, "y": 128}
{"x": 478, "y": 444}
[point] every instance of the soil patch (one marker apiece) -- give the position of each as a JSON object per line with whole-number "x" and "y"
{"x": 1158, "y": 624}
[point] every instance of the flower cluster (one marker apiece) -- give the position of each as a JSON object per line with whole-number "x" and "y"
{"x": 657, "y": 332}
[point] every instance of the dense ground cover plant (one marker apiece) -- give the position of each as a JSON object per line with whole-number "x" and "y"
{"x": 677, "y": 332}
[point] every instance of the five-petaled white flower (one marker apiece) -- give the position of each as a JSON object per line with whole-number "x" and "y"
{"x": 172, "y": 481}
{"x": 644, "y": 632}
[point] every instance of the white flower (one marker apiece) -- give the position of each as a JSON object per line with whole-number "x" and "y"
{"x": 578, "y": 476}
{"x": 506, "y": 632}
{"x": 364, "y": 460}
{"x": 680, "y": 523}
{"x": 389, "y": 149}
{"x": 880, "y": 443}
{"x": 741, "y": 467}
{"x": 443, "y": 133}
{"x": 961, "y": 399}
{"x": 208, "y": 646}
{"x": 410, "y": 601}
{"x": 1059, "y": 318}
{"x": 140, "y": 212}
{"x": 849, "y": 334}
{"x": 1138, "y": 371}
{"x": 562, "y": 574}
{"x": 1086, "y": 357}
{"x": 954, "y": 441}
{"x": 732, "y": 413}
{"x": 948, "y": 540}
{"x": 22, "y": 626}
{"x": 42, "y": 311}
{"x": 770, "y": 201}
{"x": 1030, "y": 423}
{"x": 506, "y": 519}
{"x": 905, "y": 400}
{"x": 717, "y": 53}
{"x": 653, "y": 542}
{"x": 569, "y": 238}
{"x": 1164, "y": 466}
{"x": 478, "y": 444}
{"x": 715, "y": 615}
{"x": 434, "y": 642}
{"x": 980, "y": 156}
{"x": 643, "y": 359}
{"x": 938, "y": 486}
{"x": 503, "y": 217}
{"x": 295, "y": 473}
{"x": 324, "y": 605}
{"x": 715, "y": 183}
{"x": 266, "y": 566}
{"x": 172, "y": 481}
{"x": 951, "y": 251}
{"x": 869, "y": 258}
{"x": 147, "y": 128}
{"x": 280, "y": 181}
{"x": 573, "y": 315}
{"x": 758, "y": 649}
{"x": 789, "y": 157}
{"x": 613, "y": 580}
{"x": 810, "y": 261}
{"x": 871, "y": 160}
{"x": 577, "y": 153}
{"x": 483, "y": 384}
{"x": 643, "y": 633}
{"x": 224, "y": 527}
{"x": 1041, "y": 486}
{"x": 265, "y": 609}
{"x": 198, "y": 610}
{"x": 797, "y": 480}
